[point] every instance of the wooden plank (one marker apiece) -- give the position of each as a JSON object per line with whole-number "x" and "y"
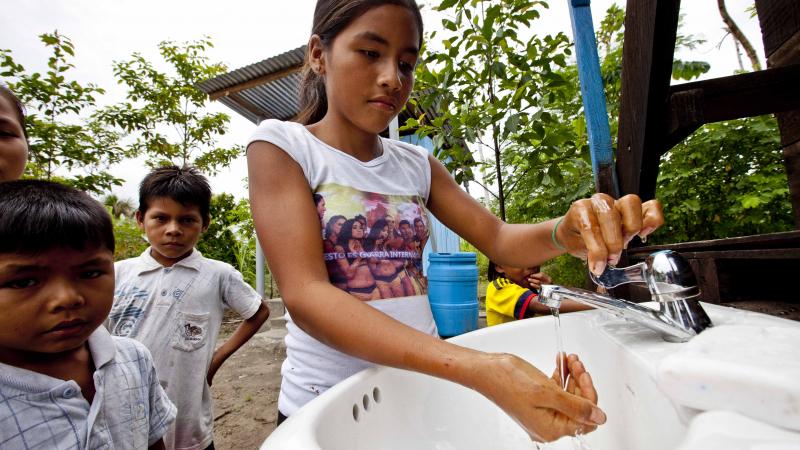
{"x": 264, "y": 79}
{"x": 788, "y": 53}
{"x": 783, "y": 309}
{"x": 776, "y": 253}
{"x": 789, "y": 125}
{"x": 744, "y": 95}
{"x": 706, "y": 272}
{"x": 648, "y": 49}
{"x": 791, "y": 159}
{"x": 780, "y": 20}
{"x": 787, "y": 239}
{"x": 594, "y": 99}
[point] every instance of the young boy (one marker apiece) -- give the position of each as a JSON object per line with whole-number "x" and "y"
{"x": 64, "y": 381}
{"x": 512, "y": 291}
{"x": 172, "y": 299}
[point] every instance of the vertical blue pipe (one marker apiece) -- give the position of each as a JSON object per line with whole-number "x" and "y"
{"x": 593, "y": 94}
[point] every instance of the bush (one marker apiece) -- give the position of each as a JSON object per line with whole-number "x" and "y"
{"x": 130, "y": 241}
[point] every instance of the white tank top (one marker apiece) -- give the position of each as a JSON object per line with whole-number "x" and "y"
{"x": 393, "y": 187}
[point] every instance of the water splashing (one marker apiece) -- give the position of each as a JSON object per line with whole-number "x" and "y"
{"x": 579, "y": 442}
{"x": 561, "y": 358}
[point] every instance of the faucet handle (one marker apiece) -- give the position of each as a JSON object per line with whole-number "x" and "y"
{"x": 613, "y": 277}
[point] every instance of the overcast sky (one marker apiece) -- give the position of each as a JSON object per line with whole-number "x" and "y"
{"x": 245, "y": 32}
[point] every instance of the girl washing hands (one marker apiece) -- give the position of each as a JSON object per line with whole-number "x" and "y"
{"x": 358, "y": 75}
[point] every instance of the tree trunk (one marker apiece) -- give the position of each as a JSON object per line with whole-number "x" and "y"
{"x": 737, "y": 34}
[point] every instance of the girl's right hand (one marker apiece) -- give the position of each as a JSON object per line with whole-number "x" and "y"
{"x": 536, "y": 401}
{"x": 599, "y": 228}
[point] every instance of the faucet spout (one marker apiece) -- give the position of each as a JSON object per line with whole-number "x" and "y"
{"x": 552, "y": 295}
{"x": 672, "y": 284}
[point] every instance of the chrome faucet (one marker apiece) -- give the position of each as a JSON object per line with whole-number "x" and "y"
{"x": 671, "y": 283}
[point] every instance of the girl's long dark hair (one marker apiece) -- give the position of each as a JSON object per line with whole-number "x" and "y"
{"x": 330, "y": 18}
{"x": 331, "y": 222}
{"x": 375, "y": 234}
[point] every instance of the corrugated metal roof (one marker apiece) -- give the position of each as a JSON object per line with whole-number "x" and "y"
{"x": 267, "y": 89}
{"x": 276, "y": 97}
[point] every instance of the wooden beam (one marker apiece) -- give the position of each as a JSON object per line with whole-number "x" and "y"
{"x": 707, "y": 279}
{"x": 791, "y": 159}
{"x": 647, "y": 53}
{"x": 255, "y": 82}
{"x": 773, "y": 253}
{"x": 745, "y": 95}
{"x": 779, "y": 20}
{"x": 786, "y": 239}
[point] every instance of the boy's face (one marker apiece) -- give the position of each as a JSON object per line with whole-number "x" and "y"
{"x": 517, "y": 275}
{"x": 172, "y": 229}
{"x": 51, "y": 302}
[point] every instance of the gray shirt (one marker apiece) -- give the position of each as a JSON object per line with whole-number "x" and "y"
{"x": 130, "y": 410}
{"x": 177, "y": 312}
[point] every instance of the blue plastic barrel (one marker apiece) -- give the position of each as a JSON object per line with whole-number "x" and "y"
{"x": 453, "y": 292}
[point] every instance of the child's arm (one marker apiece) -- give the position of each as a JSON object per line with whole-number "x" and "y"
{"x": 536, "y": 281}
{"x": 279, "y": 195}
{"x": 243, "y": 333}
{"x": 598, "y": 228}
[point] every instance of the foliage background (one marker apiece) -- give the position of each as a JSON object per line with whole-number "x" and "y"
{"x": 501, "y": 87}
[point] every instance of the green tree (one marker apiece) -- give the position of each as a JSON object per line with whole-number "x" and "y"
{"x": 727, "y": 179}
{"x": 230, "y": 229}
{"x": 119, "y": 207}
{"x": 129, "y": 239}
{"x": 166, "y": 113}
{"x": 494, "y": 84}
{"x": 544, "y": 158}
{"x": 63, "y": 145}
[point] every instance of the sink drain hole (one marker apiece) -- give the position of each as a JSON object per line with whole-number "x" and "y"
{"x": 376, "y": 395}
{"x": 365, "y": 402}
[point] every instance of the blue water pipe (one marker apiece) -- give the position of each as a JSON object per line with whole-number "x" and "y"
{"x": 592, "y": 92}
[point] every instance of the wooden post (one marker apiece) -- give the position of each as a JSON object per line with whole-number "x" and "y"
{"x": 647, "y": 53}
{"x": 780, "y": 30}
{"x": 594, "y": 99}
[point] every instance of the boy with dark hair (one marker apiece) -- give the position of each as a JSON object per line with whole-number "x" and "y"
{"x": 64, "y": 380}
{"x": 511, "y": 292}
{"x": 172, "y": 299}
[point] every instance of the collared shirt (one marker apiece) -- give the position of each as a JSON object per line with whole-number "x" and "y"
{"x": 177, "y": 312}
{"x": 507, "y": 301}
{"x": 130, "y": 410}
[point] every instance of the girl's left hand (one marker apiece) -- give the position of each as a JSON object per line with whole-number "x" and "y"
{"x": 599, "y": 228}
{"x": 538, "y": 402}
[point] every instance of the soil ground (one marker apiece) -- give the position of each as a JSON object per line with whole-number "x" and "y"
{"x": 245, "y": 389}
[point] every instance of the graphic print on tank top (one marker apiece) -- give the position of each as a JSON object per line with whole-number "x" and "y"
{"x": 373, "y": 242}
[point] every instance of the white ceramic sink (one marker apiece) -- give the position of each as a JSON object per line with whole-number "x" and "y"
{"x": 383, "y": 408}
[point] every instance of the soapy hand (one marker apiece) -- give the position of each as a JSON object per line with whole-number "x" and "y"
{"x": 599, "y": 228}
{"x": 537, "y": 402}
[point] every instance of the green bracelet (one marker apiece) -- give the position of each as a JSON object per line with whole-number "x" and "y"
{"x": 553, "y": 235}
